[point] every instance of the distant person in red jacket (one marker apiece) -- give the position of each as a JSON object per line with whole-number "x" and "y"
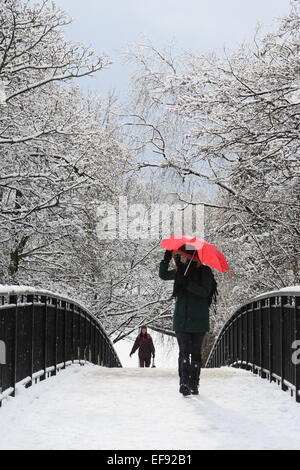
{"x": 145, "y": 346}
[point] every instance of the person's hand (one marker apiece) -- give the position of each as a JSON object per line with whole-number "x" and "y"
{"x": 167, "y": 256}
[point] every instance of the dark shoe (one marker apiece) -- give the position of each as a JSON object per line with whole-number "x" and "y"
{"x": 194, "y": 391}
{"x": 184, "y": 389}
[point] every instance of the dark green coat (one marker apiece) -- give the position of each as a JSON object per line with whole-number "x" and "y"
{"x": 191, "y": 312}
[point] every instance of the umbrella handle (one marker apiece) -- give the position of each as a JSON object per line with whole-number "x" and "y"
{"x": 189, "y": 263}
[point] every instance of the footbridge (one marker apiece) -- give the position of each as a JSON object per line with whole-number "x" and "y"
{"x": 106, "y": 406}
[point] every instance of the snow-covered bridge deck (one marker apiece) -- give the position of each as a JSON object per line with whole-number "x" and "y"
{"x": 93, "y": 407}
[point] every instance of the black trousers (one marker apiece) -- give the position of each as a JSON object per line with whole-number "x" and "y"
{"x": 189, "y": 360}
{"x": 190, "y": 345}
{"x": 145, "y": 362}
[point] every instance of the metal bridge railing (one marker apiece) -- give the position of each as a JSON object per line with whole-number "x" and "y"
{"x": 263, "y": 336}
{"x": 42, "y": 332}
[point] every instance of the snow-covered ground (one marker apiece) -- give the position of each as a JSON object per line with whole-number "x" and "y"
{"x": 92, "y": 407}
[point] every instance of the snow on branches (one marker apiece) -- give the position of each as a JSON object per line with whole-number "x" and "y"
{"x": 59, "y": 156}
{"x": 233, "y": 122}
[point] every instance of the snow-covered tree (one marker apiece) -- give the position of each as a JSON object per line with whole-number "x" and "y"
{"x": 232, "y": 123}
{"x": 60, "y": 156}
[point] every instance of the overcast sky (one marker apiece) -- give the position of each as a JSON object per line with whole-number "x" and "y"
{"x": 195, "y": 25}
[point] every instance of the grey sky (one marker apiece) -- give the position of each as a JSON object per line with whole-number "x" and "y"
{"x": 195, "y": 25}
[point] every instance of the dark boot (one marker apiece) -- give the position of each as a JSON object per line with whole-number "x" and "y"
{"x": 179, "y": 370}
{"x": 194, "y": 377}
{"x": 184, "y": 371}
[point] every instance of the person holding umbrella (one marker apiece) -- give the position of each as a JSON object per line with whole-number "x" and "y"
{"x": 193, "y": 288}
{"x": 145, "y": 346}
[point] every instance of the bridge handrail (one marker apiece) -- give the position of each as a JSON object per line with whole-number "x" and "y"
{"x": 38, "y": 326}
{"x": 256, "y": 331}
{"x": 28, "y": 290}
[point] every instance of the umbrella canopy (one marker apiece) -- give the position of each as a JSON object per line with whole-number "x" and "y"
{"x": 207, "y": 253}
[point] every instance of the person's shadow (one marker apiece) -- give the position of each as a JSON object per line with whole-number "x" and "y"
{"x": 232, "y": 429}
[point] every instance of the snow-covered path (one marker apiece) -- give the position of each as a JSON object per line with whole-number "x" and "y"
{"x": 92, "y": 407}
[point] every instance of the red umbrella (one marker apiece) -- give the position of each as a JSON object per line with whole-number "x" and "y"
{"x": 208, "y": 253}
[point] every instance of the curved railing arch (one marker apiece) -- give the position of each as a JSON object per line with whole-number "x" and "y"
{"x": 42, "y": 332}
{"x": 263, "y": 335}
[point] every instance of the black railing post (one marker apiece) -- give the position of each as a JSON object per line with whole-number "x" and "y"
{"x": 64, "y": 305}
{"x": 72, "y": 331}
{"x": 95, "y": 358}
{"x": 253, "y": 339}
{"x": 44, "y": 301}
{"x": 101, "y": 349}
{"x": 80, "y": 334}
{"x": 13, "y": 299}
{"x": 231, "y": 343}
{"x": 270, "y": 319}
{"x": 30, "y": 299}
{"x": 241, "y": 338}
{"x": 261, "y": 340}
{"x": 297, "y": 338}
{"x": 97, "y": 346}
{"x": 227, "y": 350}
{"x": 55, "y": 302}
{"x": 84, "y": 339}
{"x": 91, "y": 349}
{"x": 246, "y": 336}
{"x": 283, "y": 300}
{"x": 222, "y": 349}
{"x": 234, "y": 340}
